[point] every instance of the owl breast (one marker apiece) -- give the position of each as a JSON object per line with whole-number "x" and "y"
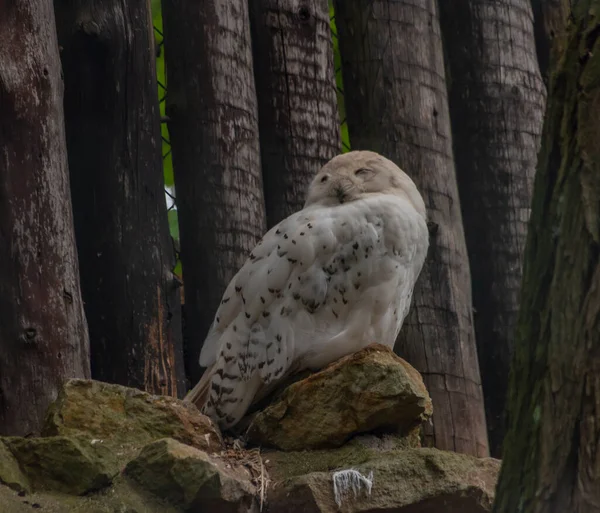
{"x": 363, "y": 288}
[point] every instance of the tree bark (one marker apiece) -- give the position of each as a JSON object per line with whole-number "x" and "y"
{"x": 43, "y": 332}
{"x": 113, "y": 139}
{"x": 496, "y": 99}
{"x": 213, "y": 122}
{"x": 297, "y": 104}
{"x": 551, "y": 451}
{"x": 550, "y": 20}
{"x": 397, "y": 104}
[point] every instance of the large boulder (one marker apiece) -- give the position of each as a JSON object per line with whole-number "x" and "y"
{"x": 373, "y": 389}
{"x": 404, "y": 481}
{"x": 65, "y": 464}
{"x": 126, "y": 418}
{"x": 191, "y": 479}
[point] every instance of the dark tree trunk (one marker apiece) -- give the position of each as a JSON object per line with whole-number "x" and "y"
{"x": 113, "y": 139}
{"x": 43, "y": 333}
{"x": 397, "y": 105}
{"x": 211, "y": 104}
{"x": 297, "y": 104}
{"x": 496, "y": 105}
{"x": 551, "y": 452}
{"x": 549, "y": 17}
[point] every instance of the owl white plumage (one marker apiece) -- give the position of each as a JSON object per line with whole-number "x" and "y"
{"x": 324, "y": 283}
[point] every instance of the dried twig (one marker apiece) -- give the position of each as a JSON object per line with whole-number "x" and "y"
{"x": 262, "y": 481}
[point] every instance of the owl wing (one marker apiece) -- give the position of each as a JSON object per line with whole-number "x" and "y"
{"x": 286, "y": 249}
{"x": 251, "y": 342}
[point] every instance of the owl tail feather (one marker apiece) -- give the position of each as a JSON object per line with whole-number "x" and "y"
{"x": 226, "y": 411}
{"x": 199, "y": 394}
{"x": 235, "y": 399}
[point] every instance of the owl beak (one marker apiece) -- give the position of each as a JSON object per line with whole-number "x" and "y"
{"x": 340, "y": 194}
{"x": 342, "y": 188}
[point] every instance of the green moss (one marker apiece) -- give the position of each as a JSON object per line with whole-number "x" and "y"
{"x": 122, "y": 497}
{"x": 283, "y": 465}
{"x": 10, "y": 472}
{"x": 69, "y": 465}
{"x": 444, "y": 481}
{"x": 174, "y": 471}
{"x": 189, "y": 478}
{"x": 126, "y": 419}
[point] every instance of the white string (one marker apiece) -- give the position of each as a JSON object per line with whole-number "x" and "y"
{"x": 346, "y": 480}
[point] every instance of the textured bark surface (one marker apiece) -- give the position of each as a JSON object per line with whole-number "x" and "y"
{"x": 113, "y": 140}
{"x": 550, "y": 20}
{"x": 213, "y": 124}
{"x": 397, "y": 105}
{"x": 496, "y": 99}
{"x": 43, "y": 333}
{"x": 550, "y": 460}
{"x": 297, "y": 104}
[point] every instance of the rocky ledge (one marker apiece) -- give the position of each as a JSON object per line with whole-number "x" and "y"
{"x": 343, "y": 439}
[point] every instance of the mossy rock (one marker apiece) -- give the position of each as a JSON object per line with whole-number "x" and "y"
{"x": 361, "y": 449}
{"x": 371, "y": 390}
{"x": 125, "y": 419}
{"x": 66, "y": 464}
{"x": 10, "y": 472}
{"x": 101, "y": 428}
{"x": 121, "y": 497}
{"x": 411, "y": 480}
{"x": 191, "y": 479}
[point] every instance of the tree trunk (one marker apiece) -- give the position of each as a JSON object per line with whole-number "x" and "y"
{"x": 297, "y": 104}
{"x": 550, "y": 19}
{"x": 213, "y": 122}
{"x": 43, "y": 332}
{"x": 397, "y": 105}
{"x": 551, "y": 451}
{"x": 496, "y": 105}
{"x": 113, "y": 139}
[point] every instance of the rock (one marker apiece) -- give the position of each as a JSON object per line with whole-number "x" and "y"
{"x": 191, "y": 479}
{"x": 126, "y": 418}
{"x": 61, "y": 464}
{"x": 121, "y": 497}
{"x": 96, "y": 430}
{"x": 10, "y": 472}
{"x": 405, "y": 481}
{"x": 372, "y": 389}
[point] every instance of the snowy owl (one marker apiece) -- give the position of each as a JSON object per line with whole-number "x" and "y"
{"x": 327, "y": 281}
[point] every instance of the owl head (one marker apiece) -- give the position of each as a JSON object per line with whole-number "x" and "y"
{"x": 359, "y": 174}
